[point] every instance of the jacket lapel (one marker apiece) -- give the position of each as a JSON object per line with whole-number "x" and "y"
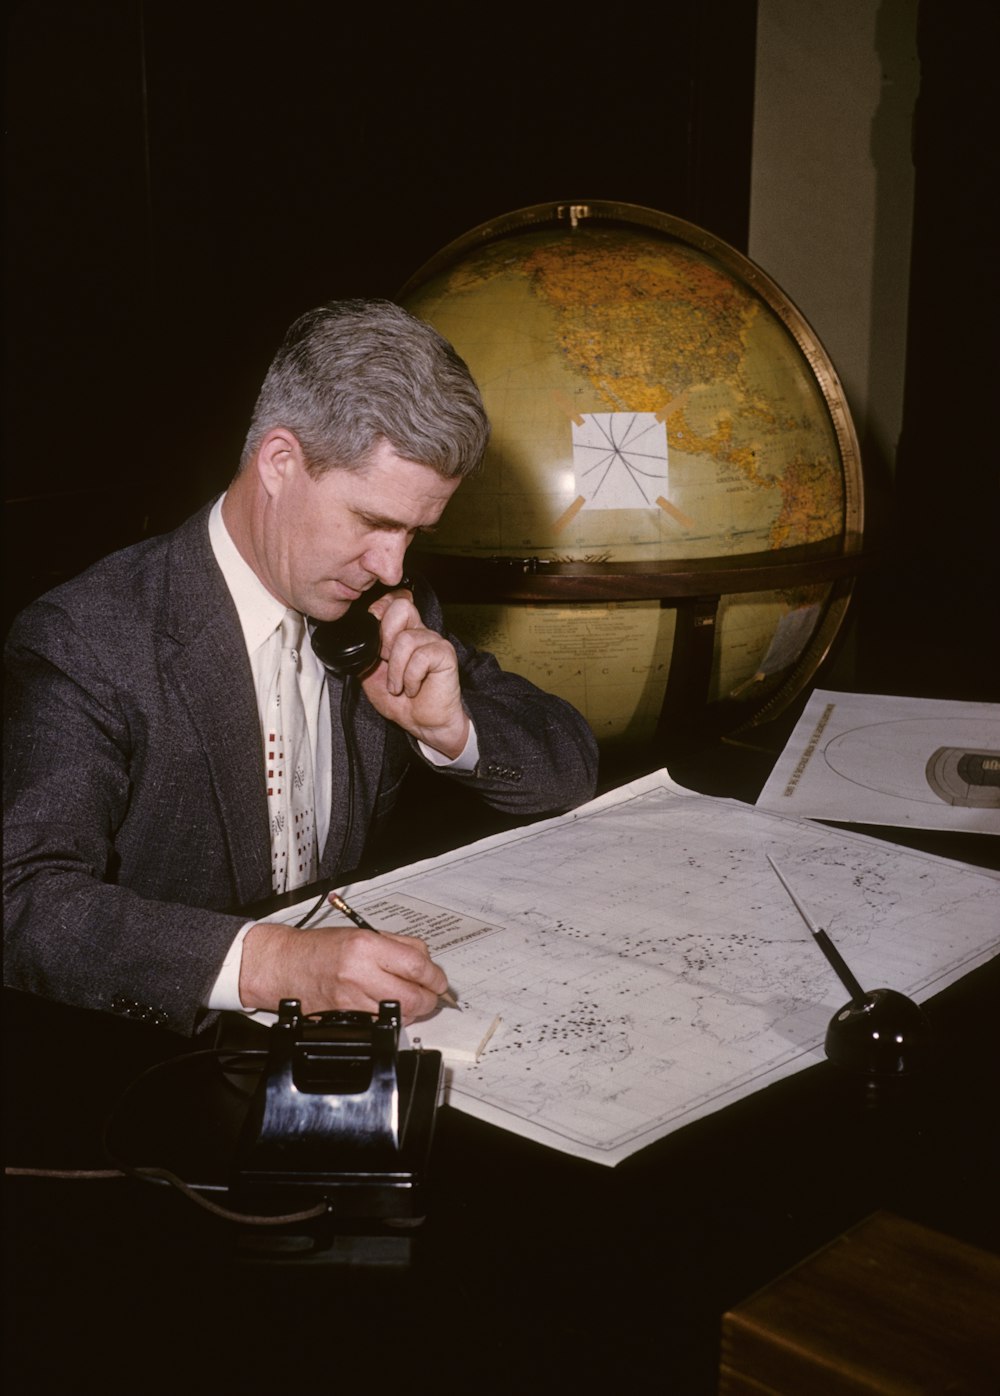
{"x": 211, "y": 673}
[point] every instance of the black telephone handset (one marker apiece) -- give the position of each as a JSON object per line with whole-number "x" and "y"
{"x": 352, "y": 644}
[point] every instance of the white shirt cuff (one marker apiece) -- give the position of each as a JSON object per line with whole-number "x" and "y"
{"x": 464, "y": 761}
{"x": 225, "y": 995}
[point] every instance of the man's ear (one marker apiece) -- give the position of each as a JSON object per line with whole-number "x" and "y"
{"x": 279, "y": 455}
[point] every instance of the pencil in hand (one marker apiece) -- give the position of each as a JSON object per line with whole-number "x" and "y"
{"x": 338, "y": 902}
{"x": 352, "y": 915}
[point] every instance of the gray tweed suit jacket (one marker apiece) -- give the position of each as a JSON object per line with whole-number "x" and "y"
{"x": 135, "y": 821}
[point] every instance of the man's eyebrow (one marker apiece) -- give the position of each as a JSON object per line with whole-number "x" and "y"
{"x": 383, "y": 521}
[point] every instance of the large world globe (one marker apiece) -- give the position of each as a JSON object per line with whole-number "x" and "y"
{"x": 669, "y": 518}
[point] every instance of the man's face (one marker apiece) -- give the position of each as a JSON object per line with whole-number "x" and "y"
{"x": 326, "y": 539}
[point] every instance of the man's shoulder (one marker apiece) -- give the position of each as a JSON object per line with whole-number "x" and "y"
{"x": 137, "y": 581}
{"x": 120, "y": 605}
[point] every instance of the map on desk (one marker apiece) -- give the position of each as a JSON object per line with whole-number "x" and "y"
{"x": 647, "y": 966}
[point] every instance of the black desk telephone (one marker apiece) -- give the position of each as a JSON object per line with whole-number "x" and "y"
{"x": 341, "y": 1113}
{"x": 351, "y": 645}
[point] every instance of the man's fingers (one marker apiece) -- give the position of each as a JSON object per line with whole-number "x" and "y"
{"x": 338, "y": 968}
{"x": 395, "y": 612}
{"x": 409, "y": 959}
{"x": 412, "y": 656}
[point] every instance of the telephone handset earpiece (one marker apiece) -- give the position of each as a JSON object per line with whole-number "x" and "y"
{"x": 352, "y": 644}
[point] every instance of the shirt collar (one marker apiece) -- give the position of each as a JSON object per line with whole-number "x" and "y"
{"x": 260, "y": 613}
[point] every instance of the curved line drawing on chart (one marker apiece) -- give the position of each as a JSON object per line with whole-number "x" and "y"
{"x": 615, "y": 454}
{"x": 970, "y": 779}
{"x": 895, "y": 758}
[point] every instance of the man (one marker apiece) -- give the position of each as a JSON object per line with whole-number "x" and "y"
{"x": 142, "y": 698}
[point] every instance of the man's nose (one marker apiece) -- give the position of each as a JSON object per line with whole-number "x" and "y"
{"x": 385, "y": 559}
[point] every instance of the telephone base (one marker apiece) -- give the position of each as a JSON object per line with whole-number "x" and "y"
{"x": 340, "y": 1116}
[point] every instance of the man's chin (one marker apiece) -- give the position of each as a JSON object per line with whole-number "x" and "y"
{"x": 325, "y": 609}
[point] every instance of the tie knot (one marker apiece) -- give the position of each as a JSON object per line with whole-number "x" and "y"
{"x": 292, "y": 630}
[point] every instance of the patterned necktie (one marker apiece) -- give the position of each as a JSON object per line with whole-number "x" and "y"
{"x": 288, "y": 764}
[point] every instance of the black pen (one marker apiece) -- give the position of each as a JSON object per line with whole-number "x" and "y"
{"x": 824, "y": 942}
{"x": 336, "y": 900}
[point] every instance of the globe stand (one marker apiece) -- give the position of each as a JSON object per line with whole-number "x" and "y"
{"x": 694, "y": 589}
{"x": 883, "y": 1034}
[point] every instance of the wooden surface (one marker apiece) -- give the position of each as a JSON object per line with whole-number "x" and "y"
{"x": 889, "y": 1307}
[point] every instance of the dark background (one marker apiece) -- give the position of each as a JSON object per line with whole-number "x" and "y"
{"x": 183, "y": 179}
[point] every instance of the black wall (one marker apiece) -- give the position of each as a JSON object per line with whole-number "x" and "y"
{"x": 184, "y": 178}
{"x": 934, "y": 613}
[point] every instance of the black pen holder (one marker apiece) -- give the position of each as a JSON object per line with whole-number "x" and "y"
{"x": 883, "y": 1034}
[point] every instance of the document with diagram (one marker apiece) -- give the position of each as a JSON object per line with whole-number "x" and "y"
{"x": 868, "y": 758}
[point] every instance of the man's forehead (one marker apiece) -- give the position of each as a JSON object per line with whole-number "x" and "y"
{"x": 393, "y": 492}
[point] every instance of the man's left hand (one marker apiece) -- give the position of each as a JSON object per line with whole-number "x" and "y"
{"x": 417, "y": 683}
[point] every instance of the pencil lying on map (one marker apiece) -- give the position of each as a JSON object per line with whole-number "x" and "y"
{"x": 337, "y": 901}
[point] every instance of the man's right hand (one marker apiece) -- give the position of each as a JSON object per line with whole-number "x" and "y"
{"x": 341, "y": 968}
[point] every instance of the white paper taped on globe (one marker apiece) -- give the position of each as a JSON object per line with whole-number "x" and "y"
{"x": 620, "y": 460}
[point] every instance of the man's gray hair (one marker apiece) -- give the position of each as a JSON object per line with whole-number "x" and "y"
{"x": 353, "y": 373}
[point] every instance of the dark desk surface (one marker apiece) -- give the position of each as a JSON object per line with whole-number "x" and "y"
{"x": 534, "y": 1271}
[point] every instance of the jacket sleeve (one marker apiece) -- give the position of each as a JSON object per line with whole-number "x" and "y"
{"x": 73, "y": 931}
{"x": 537, "y": 754}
